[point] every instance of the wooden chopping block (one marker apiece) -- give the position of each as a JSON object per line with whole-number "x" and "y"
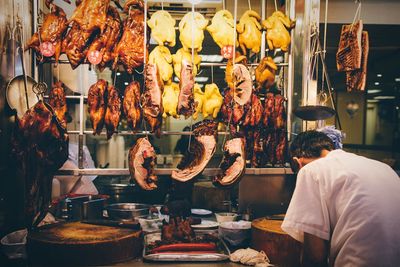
{"x": 207, "y": 196}
{"x": 281, "y": 249}
{"x": 77, "y": 243}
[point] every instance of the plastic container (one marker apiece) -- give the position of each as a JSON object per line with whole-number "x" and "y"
{"x": 226, "y": 217}
{"x": 235, "y": 233}
{"x": 13, "y": 244}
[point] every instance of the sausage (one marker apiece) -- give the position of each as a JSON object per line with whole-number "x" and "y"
{"x": 185, "y": 247}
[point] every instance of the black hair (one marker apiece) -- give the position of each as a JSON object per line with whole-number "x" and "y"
{"x": 309, "y": 144}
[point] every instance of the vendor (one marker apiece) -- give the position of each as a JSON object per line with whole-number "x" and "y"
{"x": 345, "y": 207}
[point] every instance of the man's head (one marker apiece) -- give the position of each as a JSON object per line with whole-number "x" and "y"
{"x": 309, "y": 146}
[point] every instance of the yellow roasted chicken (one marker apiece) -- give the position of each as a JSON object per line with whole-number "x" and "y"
{"x": 198, "y": 100}
{"x": 162, "y": 28}
{"x": 249, "y": 30}
{"x": 170, "y": 100}
{"x": 265, "y": 73}
{"x": 180, "y": 55}
{"x": 163, "y": 59}
{"x": 278, "y": 26}
{"x": 212, "y": 101}
{"x": 222, "y": 28}
{"x": 191, "y": 29}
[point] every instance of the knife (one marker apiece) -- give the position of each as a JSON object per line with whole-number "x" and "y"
{"x": 134, "y": 225}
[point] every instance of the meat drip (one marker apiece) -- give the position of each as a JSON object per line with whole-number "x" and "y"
{"x": 233, "y": 164}
{"x": 142, "y": 158}
{"x": 186, "y": 103}
{"x": 130, "y": 49}
{"x": 58, "y": 102}
{"x": 202, "y": 148}
{"x": 97, "y": 105}
{"x": 132, "y": 110}
{"x": 52, "y": 31}
{"x": 40, "y": 148}
{"x": 152, "y": 98}
{"x": 113, "y": 111}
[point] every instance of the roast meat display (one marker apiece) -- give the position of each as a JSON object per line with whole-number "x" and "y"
{"x": 277, "y": 27}
{"x": 58, "y": 102}
{"x": 161, "y": 57}
{"x": 191, "y": 29}
{"x": 265, "y": 73}
{"x": 91, "y": 15}
{"x": 222, "y": 29}
{"x": 162, "y": 28}
{"x": 170, "y": 100}
{"x": 113, "y": 110}
{"x": 97, "y": 106}
{"x": 131, "y": 105}
{"x": 249, "y": 31}
{"x": 186, "y": 104}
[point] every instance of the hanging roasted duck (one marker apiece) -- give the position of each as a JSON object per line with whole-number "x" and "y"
{"x": 202, "y": 148}
{"x": 113, "y": 110}
{"x": 186, "y": 103}
{"x": 265, "y": 74}
{"x": 97, "y": 106}
{"x": 58, "y": 101}
{"x": 40, "y": 148}
{"x": 132, "y": 110}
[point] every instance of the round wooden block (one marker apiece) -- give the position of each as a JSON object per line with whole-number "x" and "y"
{"x": 280, "y": 248}
{"x": 83, "y": 244}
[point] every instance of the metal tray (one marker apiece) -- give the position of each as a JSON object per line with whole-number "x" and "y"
{"x": 206, "y": 257}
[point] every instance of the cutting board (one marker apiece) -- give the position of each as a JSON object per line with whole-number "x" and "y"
{"x": 281, "y": 249}
{"x": 77, "y": 243}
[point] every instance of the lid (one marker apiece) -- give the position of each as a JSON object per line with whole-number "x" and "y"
{"x": 314, "y": 113}
{"x": 15, "y": 94}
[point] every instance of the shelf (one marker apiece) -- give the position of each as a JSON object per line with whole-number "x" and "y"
{"x": 168, "y": 171}
{"x": 143, "y": 133}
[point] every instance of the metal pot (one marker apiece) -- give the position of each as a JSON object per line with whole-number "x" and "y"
{"x": 120, "y": 193}
{"x": 128, "y": 211}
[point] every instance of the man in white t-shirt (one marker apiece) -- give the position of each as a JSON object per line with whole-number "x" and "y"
{"x": 345, "y": 208}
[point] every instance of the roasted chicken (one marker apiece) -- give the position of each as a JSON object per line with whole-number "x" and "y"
{"x": 97, "y": 105}
{"x": 162, "y": 28}
{"x": 91, "y": 15}
{"x": 113, "y": 111}
{"x": 191, "y": 29}
{"x": 161, "y": 57}
{"x": 229, "y": 68}
{"x": 170, "y": 100}
{"x": 222, "y": 29}
{"x": 58, "y": 102}
{"x": 181, "y": 55}
{"x": 249, "y": 30}
{"x": 142, "y": 158}
{"x": 212, "y": 101}
{"x": 186, "y": 104}
{"x": 152, "y": 98}
{"x": 198, "y": 100}
{"x": 132, "y": 110}
{"x": 278, "y": 26}
{"x": 201, "y": 149}
{"x": 52, "y": 31}
{"x": 265, "y": 74}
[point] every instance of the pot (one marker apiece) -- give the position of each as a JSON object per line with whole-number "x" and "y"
{"x": 128, "y": 211}
{"x": 120, "y": 193}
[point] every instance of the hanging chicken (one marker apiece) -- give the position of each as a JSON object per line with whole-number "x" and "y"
{"x": 113, "y": 111}
{"x": 222, "y": 29}
{"x": 131, "y": 104}
{"x": 191, "y": 29}
{"x": 170, "y": 100}
{"x": 278, "y": 26}
{"x": 50, "y": 34}
{"x": 161, "y": 57}
{"x": 58, "y": 102}
{"x": 181, "y": 55}
{"x": 229, "y": 68}
{"x": 265, "y": 73}
{"x": 186, "y": 104}
{"x": 198, "y": 100}
{"x": 130, "y": 49}
{"x": 97, "y": 105}
{"x": 212, "y": 101}
{"x": 249, "y": 30}
{"x": 91, "y": 15}
{"x": 162, "y": 28}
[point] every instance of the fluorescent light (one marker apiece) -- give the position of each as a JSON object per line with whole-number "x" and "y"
{"x": 374, "y": 91}
{"x": 222, "y": 67}
{"x": 384, "y": 97}
{"x": 378, "y": 75}
{"x": 195, "y": 2}
{"x": 201, "y": 79}
{"x": 118, "y": 73}
{"x": 397, "y": 79}
{"x": 372, "y": 100}
{"x": 376, "y": 83}
{"x": 126, "y": 83}
{"x": 211, "y": 58}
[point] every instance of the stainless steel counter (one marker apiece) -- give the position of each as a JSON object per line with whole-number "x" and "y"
{"x": 140, "y": 263}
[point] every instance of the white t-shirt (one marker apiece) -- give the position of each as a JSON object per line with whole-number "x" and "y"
{"x": 352, "y": 201}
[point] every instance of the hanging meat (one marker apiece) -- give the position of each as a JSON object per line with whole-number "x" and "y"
{"x": 132, "y": 110}
{"x": 40, "y": 148}
{"x": 142, "y": 158}
{"x": 222, "y": 29}
{"x": 97, "y": 105}
{"x": 212, "y": 101}
{"x": 233, "y": 163}
{"x": 170, "y": 100}
{"x": 348, "y": 56}
{"x": 177, "y": 230}
{"x": 254, "y": 115}
{"x": 202, "y": 148}
{"x": 249, "y": 30}
{"x": 58, "y": 102}
{"x": 162, "y": 28}
{"x": 281, "y": 147}
{"x": 229, "y": 68}
{"x": 152, "y": 98}
{"x": 278, "y": 26}
{"x": 181, "y": 55}
{"x": 102, "y": 47}
{"x": 130, "y": 49}
{"x": 198, "y": 100}
{"x": 161, "y": 57}
{"x": 50, "y": 33}
{"x": 91, "y": 15}
{"x": 265, "y": 74}
{"x": 279, "y": 117}
{"x": 113, "y": 111}
{"x": 357, "y": 79}
{"x": 191, "y": 29}
{"x": 186, "y": 103}
{"x": 269, "y": 106}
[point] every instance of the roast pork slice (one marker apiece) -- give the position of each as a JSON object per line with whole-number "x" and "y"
{"x": 233, "y": 163}
{"x": 186, "y": 103}
{"x": 142, "y": 158}
{"x": 244, "y": 84}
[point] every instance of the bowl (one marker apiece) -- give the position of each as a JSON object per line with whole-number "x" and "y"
{"x": 127, "y": 211}
{"x": 225, "y": 217}
{"x": 235, "y": 233}
{"x": 13, "y": 244}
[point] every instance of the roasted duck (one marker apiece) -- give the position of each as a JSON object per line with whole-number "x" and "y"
{"x": 170, "y": 100}
{"x": 58, "y": 102}
{"x": 52, "y": 31}
{"x": 229, "y": 68}
{"x": 348, "y": 56}
{"x": 201, "y": 149}
{"x": 181, "y": 55}
{"x": 161, "y": 57}
{"x": 233, "y": 164}
{"x": 162, "y": 28}
{"x": 105, "y": 42}
{"x": 249, "y": 30}
{"x": 278, "y": 26}
{"x": 113, "y": 111}
{"x": 91, "y": 15}
{"x": 212, "y": 101}
{"x": 142, "y": 158}
{"x": 265, "y": 74}
{"x": 97, "y": 105}
{"x": 152, "y": 98}
{"x": 192, "y": 31}
{"x": 222, "y": 28}
{"x": 186, "y": 103}
{"x": 40, "y": 148}
{"x": 130, "y": 49}
{"x": 132, "y": 110}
